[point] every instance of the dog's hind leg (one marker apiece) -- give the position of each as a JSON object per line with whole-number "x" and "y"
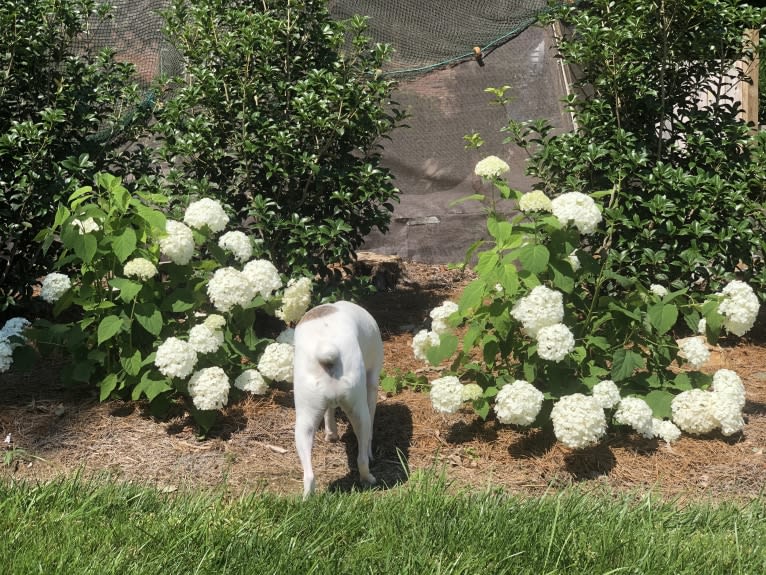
{"x": 359, "y": 415}
{"x": 306, "y": 423}
{"x": 372, "y": 400}
{"x": 330, "y": 425}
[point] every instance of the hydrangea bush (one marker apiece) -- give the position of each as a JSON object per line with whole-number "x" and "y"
{"x": 538, "y": 328}
{"x": 156, "y": 308}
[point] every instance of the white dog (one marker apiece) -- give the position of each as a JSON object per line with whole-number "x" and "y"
{"x": 338, "y": 358}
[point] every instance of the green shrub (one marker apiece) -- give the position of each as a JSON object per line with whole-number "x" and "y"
{"x": 280, "y": 115}
{"x": 686, "y": 175}
{"x": 147, "y": 305}
{"x": 62, "y": 118}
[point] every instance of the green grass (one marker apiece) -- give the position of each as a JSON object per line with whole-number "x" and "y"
{"x": 421, "y": 528}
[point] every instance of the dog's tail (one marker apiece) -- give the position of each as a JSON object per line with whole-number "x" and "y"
{"x": 327, "y": 354}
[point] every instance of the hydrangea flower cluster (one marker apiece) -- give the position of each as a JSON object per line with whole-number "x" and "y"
{"x": 54, "y": 286}
{"x": 578, "y": 420}
{"x": 636, "y": 413}
{"x": 276, "y": 362}
{"x": 518, "y": 403}
{"x": 472, "y": 392}
{"x": 422, "y": 342}
{"x": 205, "y": 339}
{"x": 446, "y": 394}
{"x": 577, "y": 208}
{"x": 178, "y": 243}
{"x": 535, "y": 201}
{"x": 554, "y": 342}
{"x": 252, "y": 381}
{"x": 238, "y": 244}
{"x": 264, "y": 276}
{"x": 206, "y": 212}
{"x": 13, "y": 328}
{"x": 697, "y": 412}
{"x": 295, "y": 300}
{"x": 209, "y": 388}
{"x": 739, "y": 307}
{"x": 658, "y": 290}
{"x": 229, "y": 287}
{"x": 175, "y": 358}
{"x": 439, "y": 316}
{"x": 541, "y": 313}
{"x": 140, "y": 268}
{"x": 665, "y": 430}
{"x": 87, "y": 226}
{"x": 606, "y": 393}
{"x": 491, "y": 167}
{"x": 694, "y": 350}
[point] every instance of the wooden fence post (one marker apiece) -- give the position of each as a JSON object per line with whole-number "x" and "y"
{"x": 750, "y": 90}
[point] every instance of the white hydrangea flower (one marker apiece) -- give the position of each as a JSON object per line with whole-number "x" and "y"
{"x": 518, "y": 403}
{"x": 206, "y": 212}
{"x": 606, "y": 393}
{"x": 636, "y": 413}
{"x": 264, "y": 276}
{"x": 727, "y": 413}
{"x": 702, "y": 326}
{"x": 178, "y": 243}
{"x": 204, "y": 339}
{"x": 574, "y": 261}
{"x": 578, "y": 420}
{"x": 175, "y": 358}
{"x": 540, "y": 308}
{"x": 554, "y": 342}
{"x": 665, "y": 430}
{"x": 658, "y": 290}
{"x": 215, "y": 321}
{"x": 6, "y": 355}
{"x": 295, "y": 300}
{"x": 694, "y": 350}
{"x": 140, "y": 268}
{"x": 472, "y": 391}
{"x": 287, "y": 336}
{"x": 727, "y": 382}
{"x": 238, "y": 244}
{"x": 54, "y": 286}
{"x": 693, "y": 411}
{"x": 739, "y": 307}
{"x": 535, "y": 201}
{"x": 14, "y": 327}
{"x": 446, "y": 394}
{"x": 276, "y": 362}
{"x": 439, "y": 317}
{"x": 422, "y": 342}
{"x": 228, "y": 288}
{"x": 209, "y": 388}
{"x": 251, "y": 380}
{"x": 579, "y": 209}
{"x": 491, "y": 167}
{"x": 86, "y": 226}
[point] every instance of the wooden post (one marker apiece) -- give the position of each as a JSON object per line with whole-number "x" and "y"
{"x": 750, "y": 90}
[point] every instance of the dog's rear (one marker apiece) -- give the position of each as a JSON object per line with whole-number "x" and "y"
{"x": 338, "y": 358}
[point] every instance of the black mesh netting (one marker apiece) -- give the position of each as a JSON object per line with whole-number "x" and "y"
{"x": 442, "y": 87}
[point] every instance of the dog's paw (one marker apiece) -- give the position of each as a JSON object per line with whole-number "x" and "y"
{"x": 370, "y": 479}
{"x": 331, "y": 437}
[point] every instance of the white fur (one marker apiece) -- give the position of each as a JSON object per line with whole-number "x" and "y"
{"x": 338, "y": 358}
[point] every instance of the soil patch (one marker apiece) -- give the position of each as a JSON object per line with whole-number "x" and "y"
{"x": 55, "y": 433}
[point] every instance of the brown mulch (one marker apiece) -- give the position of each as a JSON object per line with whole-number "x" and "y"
{"x": 55, "y": 433}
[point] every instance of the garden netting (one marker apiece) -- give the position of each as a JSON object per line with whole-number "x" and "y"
{"x": 441, "y": 86}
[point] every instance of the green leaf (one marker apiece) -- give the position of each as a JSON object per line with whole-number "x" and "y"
{"x": 85, "y": 246}
{"x": 445, "y": 349}
{"x": 132, "y": 364}
{"x": 124, "y": 244}
{"x": 662, "y": 316}
{"x": 659, "y": 400}
{"x": 472, "y": 296}
{"x": 150, "y": 386}
{"x": 154, "y": 218}
{"x": 149, "y": 317}
{"x": 624, "y": 363}
{"x": 128, "y": 289}
{"x": 464, "y": 199}
{"x": 534, "y": 258}
{"x": 481, "y": 407}
{"x": 487, "y": 263}
{"x": 108, "y": 328}
{"x": 107, "y": 386}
